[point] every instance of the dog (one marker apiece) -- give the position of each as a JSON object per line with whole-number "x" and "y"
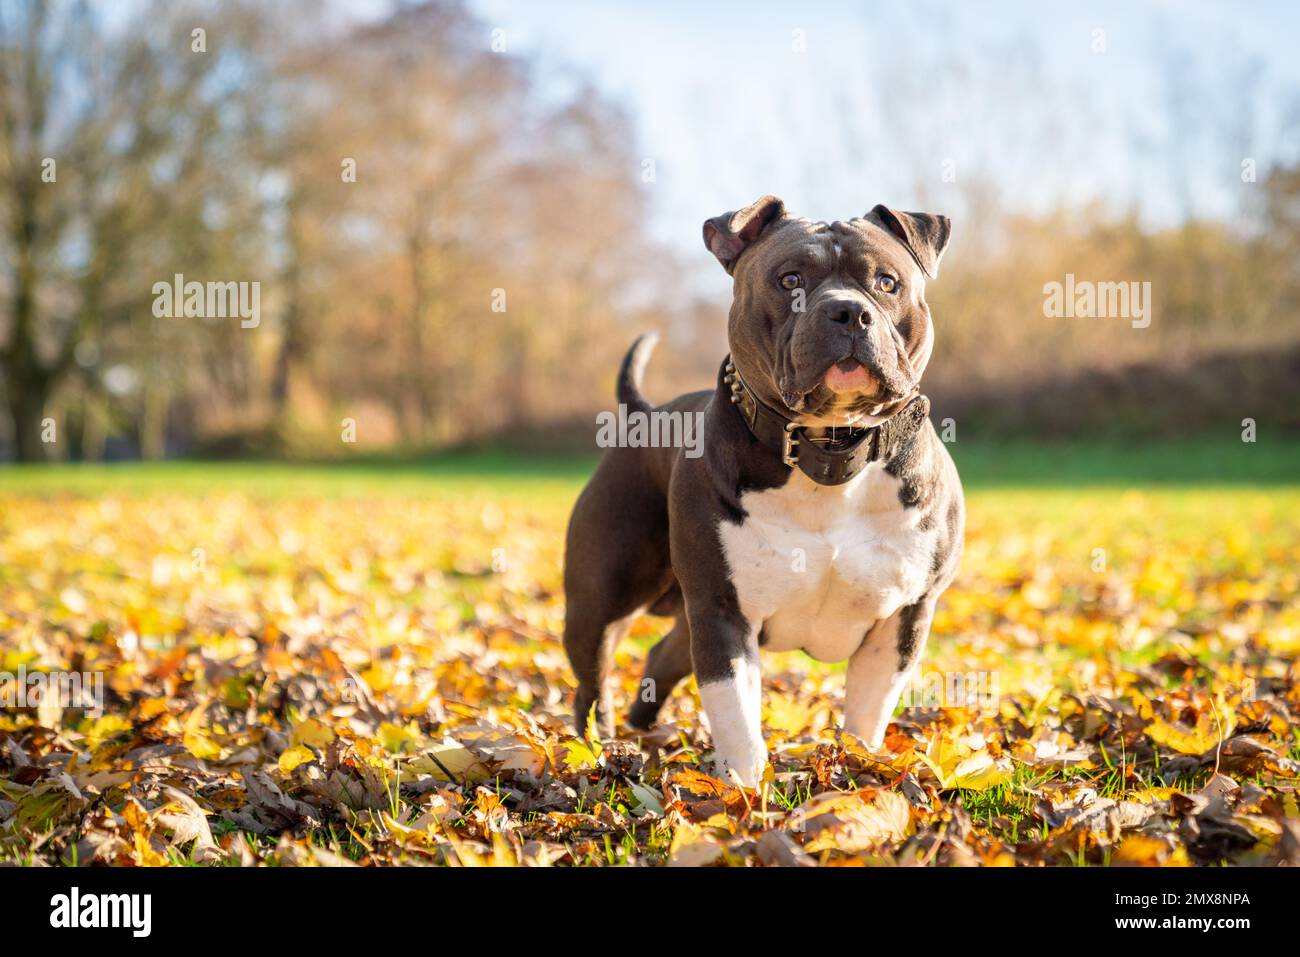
{"x": 824, "y": 513}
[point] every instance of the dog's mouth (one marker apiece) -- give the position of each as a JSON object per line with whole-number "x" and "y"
{"x": 848, "y": 387}
{"x": 850, "y": 377}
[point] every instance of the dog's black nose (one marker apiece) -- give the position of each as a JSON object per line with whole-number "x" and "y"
{"x": 849, "y": 311}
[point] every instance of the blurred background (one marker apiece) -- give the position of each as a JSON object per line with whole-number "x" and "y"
{"x": 460, "y": 213}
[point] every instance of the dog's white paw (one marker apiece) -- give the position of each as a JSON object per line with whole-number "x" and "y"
{"x": 733, "y": 705}
{"x": 745, "y": 770}
{"x": 740, "y": 757}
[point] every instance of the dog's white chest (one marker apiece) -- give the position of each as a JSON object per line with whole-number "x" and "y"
{"x": 817, "y": 566}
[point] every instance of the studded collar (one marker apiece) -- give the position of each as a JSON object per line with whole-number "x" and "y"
{"x": 825, "y": 462}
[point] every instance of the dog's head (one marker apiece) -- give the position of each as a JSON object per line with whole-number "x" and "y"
{"x": 829, "y": 320}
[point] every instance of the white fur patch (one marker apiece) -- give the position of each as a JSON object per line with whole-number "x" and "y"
{"x": 817, "y": 566}
{"x": 734, "y": 708}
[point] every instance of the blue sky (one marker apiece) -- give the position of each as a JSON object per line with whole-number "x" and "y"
{"x": 884, "y": 98}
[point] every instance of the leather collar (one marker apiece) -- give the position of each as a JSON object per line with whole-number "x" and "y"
{"x": 826, "y": 463}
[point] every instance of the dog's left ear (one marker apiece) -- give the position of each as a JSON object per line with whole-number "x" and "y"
{"x": 924, "y": 234}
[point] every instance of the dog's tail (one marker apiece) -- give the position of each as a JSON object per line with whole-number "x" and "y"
{"x": 631, "y": 371}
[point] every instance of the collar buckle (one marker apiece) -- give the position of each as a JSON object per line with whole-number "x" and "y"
{"x": 790, "y": 445}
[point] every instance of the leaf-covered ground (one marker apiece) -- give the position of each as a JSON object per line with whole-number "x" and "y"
{"x": 376, "y": 678}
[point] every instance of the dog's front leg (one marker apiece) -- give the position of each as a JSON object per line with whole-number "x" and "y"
{"x": 881, "y": 668}
{"x": 725, "y": 654}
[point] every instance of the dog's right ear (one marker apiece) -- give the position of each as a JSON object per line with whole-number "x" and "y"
{"x": 729, "y": 235}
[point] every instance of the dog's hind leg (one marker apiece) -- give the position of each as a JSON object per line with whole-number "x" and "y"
{"x": 615, "y": 567}
{"x": 590, "y": 641}
{"x": 668, "y": 662}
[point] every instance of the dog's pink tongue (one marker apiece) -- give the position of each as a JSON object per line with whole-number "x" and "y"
{"x": 856, "y": 378}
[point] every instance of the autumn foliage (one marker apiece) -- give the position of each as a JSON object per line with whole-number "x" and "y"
{"x": 375, "y": 678}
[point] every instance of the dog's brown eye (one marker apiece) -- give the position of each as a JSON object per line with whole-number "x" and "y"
{"x": 886, "y": 283}
{"x": 791, "y": 280}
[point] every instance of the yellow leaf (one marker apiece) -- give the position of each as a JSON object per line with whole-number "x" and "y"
{"x": 692, "y": 847}
{"x": 956, "y": 764}
{"x": 503, "y": 854}
{"x": 136, "y": 817}
{"x": 977, "y": 773}
{"x": 1151, "y": 795}
{"x": 579, "y": 756}
{"x": 200, "y": 745}
{"x": 787, "y": 713}
{"x": 1205, "y": 736}
{"x": 378, "y": 679}
{"x": 395, "y": 738}
{"x": 195, "y": 739}
{"x": 453, "y": 758}
{"x": 145, "y": 855}
{"x": 1140, "y": 850}
{"x": 101, "y": 729}
{"x": 151, "y": 708}
{"x": 312, "y": 733}
{"x": 294, "y": 756}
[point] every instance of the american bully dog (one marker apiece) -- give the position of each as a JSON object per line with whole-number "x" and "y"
{"x": 822, "y": 513}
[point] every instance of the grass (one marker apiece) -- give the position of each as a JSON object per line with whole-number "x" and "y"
{"x": 1202, "y": 462}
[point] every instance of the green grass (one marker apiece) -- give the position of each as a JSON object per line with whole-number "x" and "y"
{"x": 1201, "y": 462}
{"x": 453, "y": 475}
{"x": 1207, "y": 460}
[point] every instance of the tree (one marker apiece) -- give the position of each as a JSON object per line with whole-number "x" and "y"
{"x": 115, "y": 171}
